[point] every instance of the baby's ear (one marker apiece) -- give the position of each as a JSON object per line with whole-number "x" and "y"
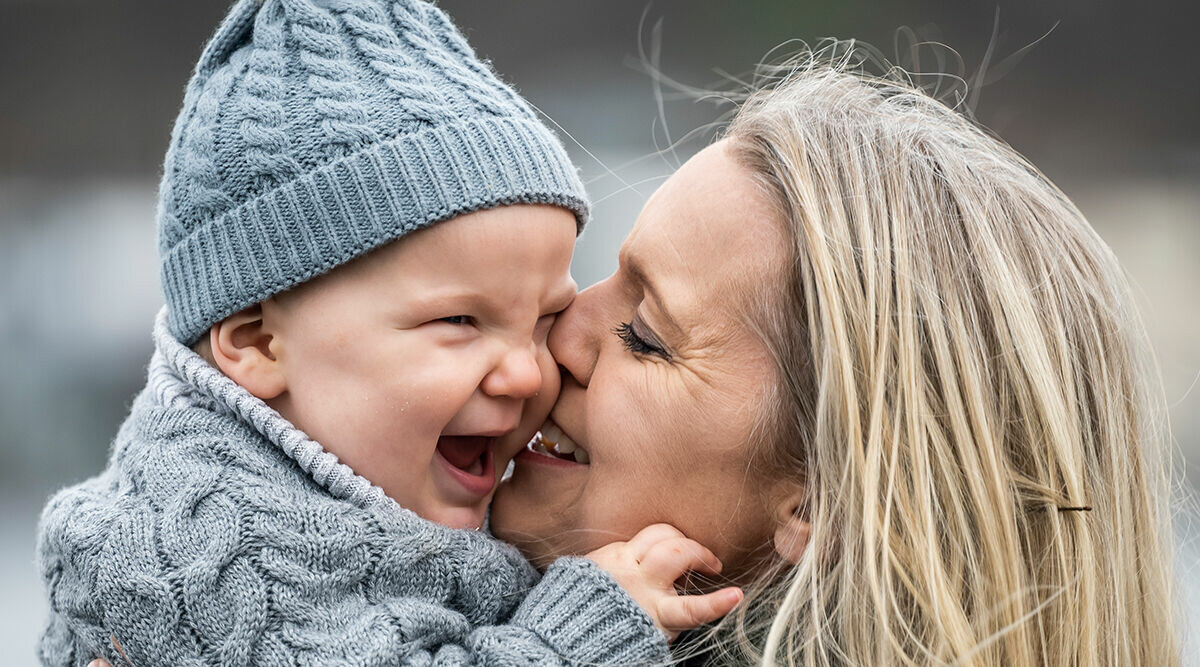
{"x": 241, "y": 346}
{"x": 792, "y": 527}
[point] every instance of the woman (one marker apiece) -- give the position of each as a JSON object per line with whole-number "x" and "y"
{"x": 890, "y": 375}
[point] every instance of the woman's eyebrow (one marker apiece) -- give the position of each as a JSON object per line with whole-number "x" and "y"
{"x": 633, "y": 265}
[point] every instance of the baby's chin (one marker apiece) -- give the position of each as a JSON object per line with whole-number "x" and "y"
{"x": 461, "y": 518}
{"x": 472, "y": 517}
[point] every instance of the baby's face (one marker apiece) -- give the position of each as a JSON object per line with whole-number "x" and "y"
{"x": 423, "y": 366}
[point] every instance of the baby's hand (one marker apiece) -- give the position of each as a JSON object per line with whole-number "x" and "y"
{"x": 647, "y": 567}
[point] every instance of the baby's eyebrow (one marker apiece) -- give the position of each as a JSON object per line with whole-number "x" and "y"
{"x": 441, "y": 296}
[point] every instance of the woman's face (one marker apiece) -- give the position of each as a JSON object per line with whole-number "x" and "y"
{"x": 662, "y": 383}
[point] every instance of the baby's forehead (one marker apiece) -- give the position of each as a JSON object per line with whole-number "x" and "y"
{"x": 508, "y": 253}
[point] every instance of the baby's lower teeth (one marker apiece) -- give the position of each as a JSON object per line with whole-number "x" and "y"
{"x": 581, "y": 456}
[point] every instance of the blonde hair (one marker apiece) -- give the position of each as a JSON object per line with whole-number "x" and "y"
{"x": 964, "y": 390}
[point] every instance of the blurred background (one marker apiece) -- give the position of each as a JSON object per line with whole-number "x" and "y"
{"x": 1105, "y": 103}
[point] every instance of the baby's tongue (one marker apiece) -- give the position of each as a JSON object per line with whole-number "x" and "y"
{"x": 464, "y": 451}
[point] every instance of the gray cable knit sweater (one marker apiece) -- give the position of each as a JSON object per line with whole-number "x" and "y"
{"x": 221, "y": 534}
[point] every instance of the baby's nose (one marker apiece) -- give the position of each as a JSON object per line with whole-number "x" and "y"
{"x": 516, "y": 375}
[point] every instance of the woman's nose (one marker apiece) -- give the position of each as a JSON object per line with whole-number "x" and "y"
{"x": 517, "y": 375}
{"x": 575, "y": 338}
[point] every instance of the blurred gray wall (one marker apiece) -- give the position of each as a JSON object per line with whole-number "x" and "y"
{"x": 1106, "y": 104}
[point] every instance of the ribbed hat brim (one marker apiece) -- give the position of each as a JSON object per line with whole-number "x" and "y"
{"x": 330, "y": 215}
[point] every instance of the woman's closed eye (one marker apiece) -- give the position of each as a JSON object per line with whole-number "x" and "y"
{"x": 638, "y": 343}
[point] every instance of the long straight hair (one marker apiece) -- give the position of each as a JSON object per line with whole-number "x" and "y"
{"x": 963, "y": 387}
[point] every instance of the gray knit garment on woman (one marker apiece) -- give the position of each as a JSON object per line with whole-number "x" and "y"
{"x": 219, "y": 534}
{"x": 316, "y": 130}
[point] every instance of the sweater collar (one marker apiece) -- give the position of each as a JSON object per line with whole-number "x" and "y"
{"x": 180, "y": 378}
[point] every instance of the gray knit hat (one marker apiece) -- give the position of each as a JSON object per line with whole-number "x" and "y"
{"x": 315, "y": 130}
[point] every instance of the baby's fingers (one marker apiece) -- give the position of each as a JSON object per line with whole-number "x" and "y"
{"x": 684, "y": 612}
{"x": 666, "y": 561}
{"x": 651, "y": 535}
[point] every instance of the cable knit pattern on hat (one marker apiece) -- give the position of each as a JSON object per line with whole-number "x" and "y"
{"x": 378, "y": 43}
{"x": 267, "y": 145}
{"x": 313, "y": 131}
{"x": 220, "y": 534}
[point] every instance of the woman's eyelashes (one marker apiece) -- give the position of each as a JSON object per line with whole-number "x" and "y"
{"x": 639, "y": 343}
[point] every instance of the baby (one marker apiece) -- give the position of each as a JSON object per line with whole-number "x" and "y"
{"x": 365, "y": 237}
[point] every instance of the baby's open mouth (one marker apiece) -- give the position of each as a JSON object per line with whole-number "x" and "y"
{"x": 468, "y": 453}
{"x": 551, "y": 441}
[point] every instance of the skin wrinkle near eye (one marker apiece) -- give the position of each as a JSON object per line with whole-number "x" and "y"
{"x": 718, "y": 332}
{"x": 639, "y": 327}
{"x": 697, "y": 366}
{"x": 694, "y": 366}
